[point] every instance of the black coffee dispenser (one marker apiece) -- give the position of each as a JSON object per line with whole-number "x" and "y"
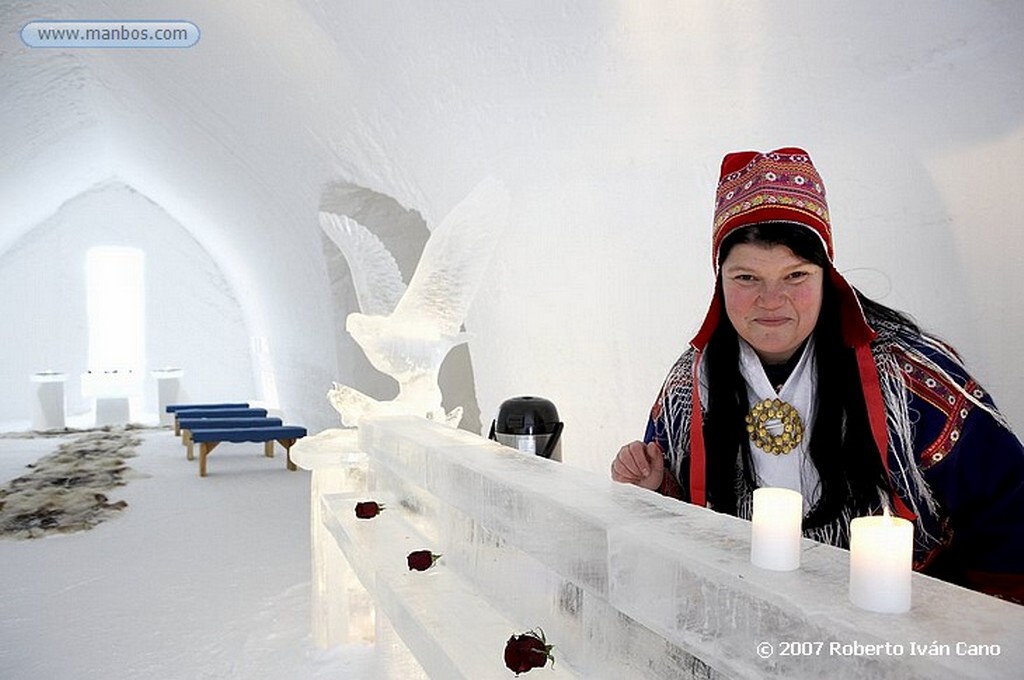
{"x": 529, "y": 424}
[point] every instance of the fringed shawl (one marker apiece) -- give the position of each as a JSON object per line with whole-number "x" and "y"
{"x": 909, "y": 366}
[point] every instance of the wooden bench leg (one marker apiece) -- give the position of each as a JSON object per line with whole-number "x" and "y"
{"x": 186, "y": 439}
{"x": 177, "y": 428}
{"x": 204, "y": 450}
{"x": 190, "y": 452}
{"x": 287, "y": 444}
{"x": 268, "y": 448}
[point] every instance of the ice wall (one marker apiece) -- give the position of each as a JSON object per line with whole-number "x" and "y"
{"x": 606, "y": 119}
{"x": 192, "y": 316}
{"x": 624, "y": 582}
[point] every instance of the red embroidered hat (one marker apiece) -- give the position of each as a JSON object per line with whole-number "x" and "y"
{"x": 778, "y": 186}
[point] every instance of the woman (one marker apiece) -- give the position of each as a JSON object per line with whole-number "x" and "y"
{"x": 797, "y": 380}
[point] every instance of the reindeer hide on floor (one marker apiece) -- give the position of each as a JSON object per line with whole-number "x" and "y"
{"x": 66, "y": 490}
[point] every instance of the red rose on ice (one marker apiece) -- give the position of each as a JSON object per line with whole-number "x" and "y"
{"x": 421, "y": 560}
{"x": 527, "y": 651}
{"x": 368, "y": 509}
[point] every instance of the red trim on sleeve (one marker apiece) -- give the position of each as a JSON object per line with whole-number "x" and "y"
{"x": 1004, "y": 586}
{"x": 876, "y": 417}
{"x": 697, "y": 466}
{"x": 670, "y": 487}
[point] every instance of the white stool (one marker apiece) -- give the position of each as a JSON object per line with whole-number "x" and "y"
{"x": 113, "y": 391}
{"x": 168, "y": 387}
{"x": 112, "y": 410}
{"x": 48, "y": 401}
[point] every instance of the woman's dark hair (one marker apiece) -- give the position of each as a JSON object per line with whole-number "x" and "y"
{"x": 841, "y": 445}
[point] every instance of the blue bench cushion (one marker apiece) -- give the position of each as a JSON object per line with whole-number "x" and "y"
{"x": 249, "y": 434}
{"x": 222, "y": 413}
{"x": 188, "y": 426}
{"x": 190, "y": 423}
{"x": 174, "y": 408}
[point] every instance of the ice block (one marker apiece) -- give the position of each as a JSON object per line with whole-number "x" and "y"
{"x": 625, "y": 582}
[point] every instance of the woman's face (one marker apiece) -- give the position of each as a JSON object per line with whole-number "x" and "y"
{"x": 772, "y": 298}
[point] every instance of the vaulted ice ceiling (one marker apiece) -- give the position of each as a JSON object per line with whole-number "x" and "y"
{"x": 606, "y": 119}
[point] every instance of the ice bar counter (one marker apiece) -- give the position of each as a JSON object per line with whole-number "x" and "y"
{"x": 624, "y": 583}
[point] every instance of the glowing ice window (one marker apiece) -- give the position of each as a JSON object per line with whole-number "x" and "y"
{"x": 115, "y": 298}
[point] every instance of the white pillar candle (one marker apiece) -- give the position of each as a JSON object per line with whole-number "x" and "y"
{"x": 881, "y": 563}
{"x": 776, "y": 529}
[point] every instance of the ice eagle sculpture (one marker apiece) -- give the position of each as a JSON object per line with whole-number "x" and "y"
{"x": 406, "y": 332}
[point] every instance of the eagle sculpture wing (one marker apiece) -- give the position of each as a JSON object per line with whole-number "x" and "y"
{"x": 455, "y": 260}
{"x": 375, "y": 274}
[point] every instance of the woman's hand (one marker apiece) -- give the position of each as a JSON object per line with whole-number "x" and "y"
{"x": 640, "y": 464}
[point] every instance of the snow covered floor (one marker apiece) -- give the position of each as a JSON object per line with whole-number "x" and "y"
{"x": 197, "y": 578}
